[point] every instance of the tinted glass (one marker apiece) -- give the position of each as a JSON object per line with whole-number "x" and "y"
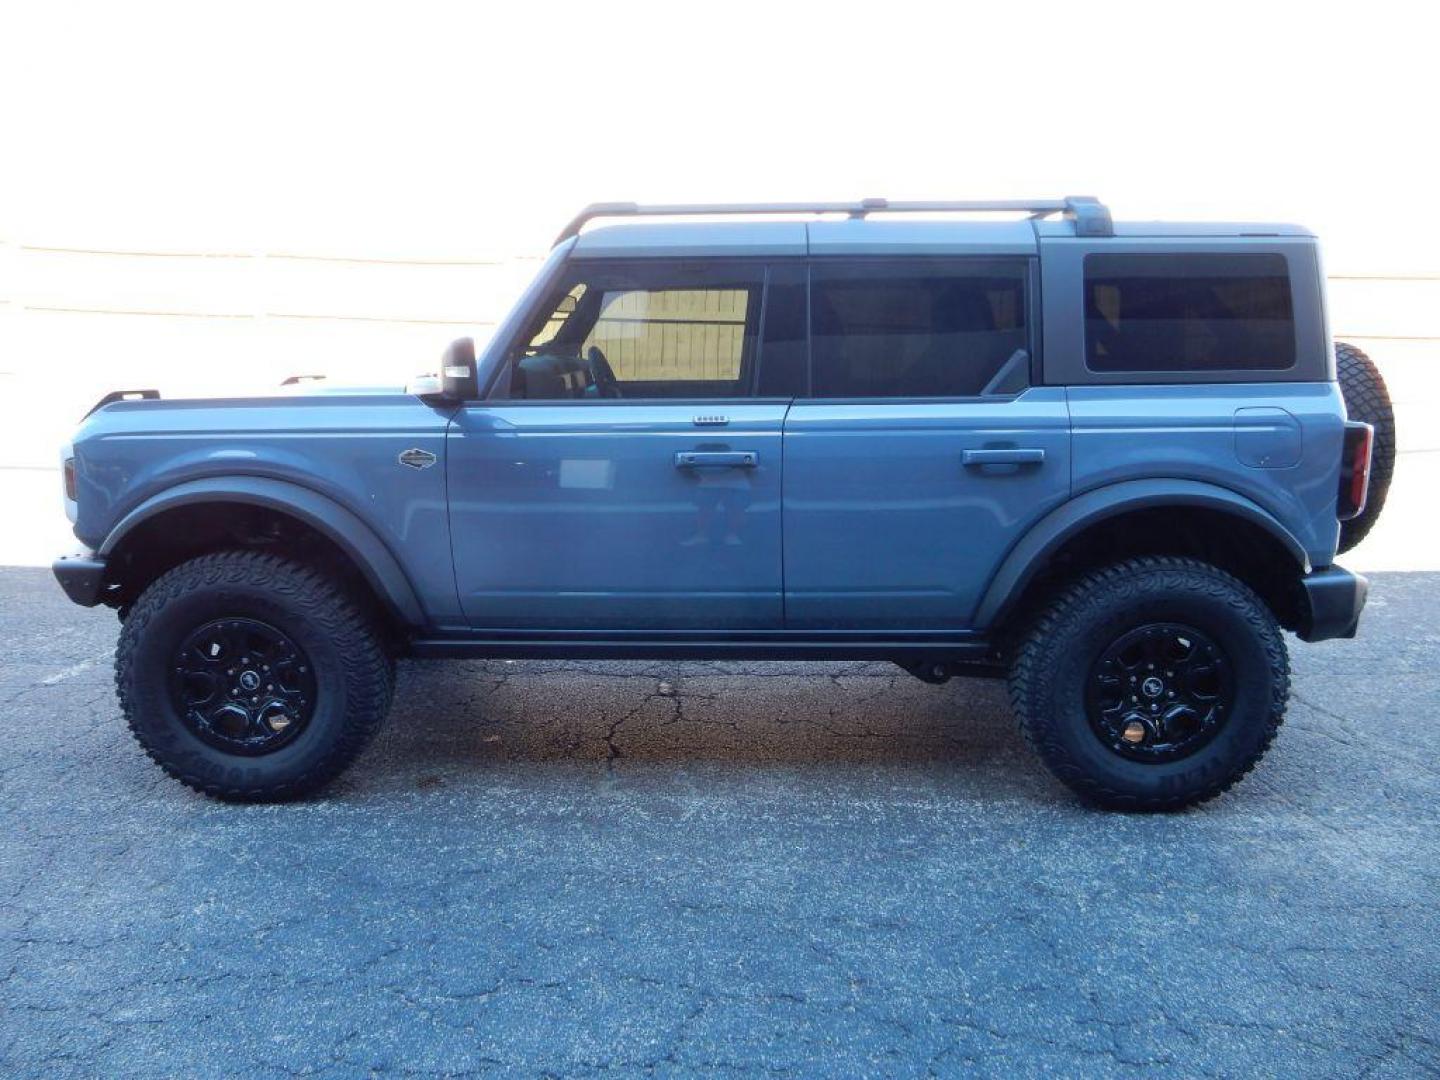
{"x": 658, "y": 329}
{"x": 917, "y": 328}
{"x": 1188, "y": 313}
{"x": 783, "y": 348}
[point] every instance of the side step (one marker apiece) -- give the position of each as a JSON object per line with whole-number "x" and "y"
{"x": 931, "y": 650}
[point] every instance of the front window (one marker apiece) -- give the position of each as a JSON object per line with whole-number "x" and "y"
{"x": 661, "y": 329}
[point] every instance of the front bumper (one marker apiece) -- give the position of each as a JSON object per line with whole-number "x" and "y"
{"x": 1334, "y": 598}
{"x": 82, "y": 577}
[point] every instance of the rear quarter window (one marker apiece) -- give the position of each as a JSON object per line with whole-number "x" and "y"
{"x": 1194, "y": 312}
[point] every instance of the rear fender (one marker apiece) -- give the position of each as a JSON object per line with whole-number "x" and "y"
{"x": 1046, "y": 536}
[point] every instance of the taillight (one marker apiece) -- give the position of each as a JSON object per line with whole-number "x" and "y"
{"x": 69, "y": 470}
{"x": 1355, "y": 470}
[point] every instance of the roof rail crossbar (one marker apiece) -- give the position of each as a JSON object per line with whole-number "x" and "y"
{"x": 1089, "y": 214}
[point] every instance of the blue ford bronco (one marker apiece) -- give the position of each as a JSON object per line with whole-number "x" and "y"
{"x": 1109, "y": 462}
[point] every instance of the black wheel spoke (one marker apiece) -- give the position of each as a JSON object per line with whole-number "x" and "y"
{"x": 1158, "y": 692}
{"x": 242, "y": 685}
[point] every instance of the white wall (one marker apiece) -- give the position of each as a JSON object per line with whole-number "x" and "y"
{"x": 211, "y": 197}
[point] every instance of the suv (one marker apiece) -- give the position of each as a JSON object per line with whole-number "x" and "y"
{"x": 1108, "y": 462}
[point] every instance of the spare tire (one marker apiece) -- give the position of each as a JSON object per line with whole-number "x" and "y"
{"x": 1367, "y": 399}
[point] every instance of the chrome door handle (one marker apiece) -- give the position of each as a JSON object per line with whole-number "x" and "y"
{"x": 1019, "y": 455}
{"x": 716, "y": 459}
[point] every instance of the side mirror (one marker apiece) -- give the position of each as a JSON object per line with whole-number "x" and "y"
{"x": 459, "y": 379}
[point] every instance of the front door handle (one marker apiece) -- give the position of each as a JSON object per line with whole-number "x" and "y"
{"x": 716, "y": 459}
{"x": 1018, "y": 455}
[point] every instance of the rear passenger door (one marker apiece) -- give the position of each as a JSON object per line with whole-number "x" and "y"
{"x": 919, "y": 452}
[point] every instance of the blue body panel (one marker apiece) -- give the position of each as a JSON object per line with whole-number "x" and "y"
{"x": 343, "y": 446}
{"x": 575, "y": 515}
{"x": 886, "y": 526}
{"x": 1207, "y": 432}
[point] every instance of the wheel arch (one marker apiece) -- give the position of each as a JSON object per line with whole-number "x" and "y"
{"x": 365, "y": 552}
{"x": 1078, "y": 524}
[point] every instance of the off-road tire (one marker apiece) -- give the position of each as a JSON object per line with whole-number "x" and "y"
{"x": 1054, "y": 659}
{"x": 1367, "y": 399}
{"x": 354, "y": 676}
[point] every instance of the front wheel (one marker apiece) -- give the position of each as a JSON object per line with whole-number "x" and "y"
{"x": 249, "y": 677}
{"x": 1152, "y": 684}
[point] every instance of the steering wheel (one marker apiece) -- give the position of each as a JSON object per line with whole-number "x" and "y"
{"x": 601, "y": 373}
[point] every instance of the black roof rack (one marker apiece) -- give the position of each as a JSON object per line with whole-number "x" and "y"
{"x": 1090, "y": 215}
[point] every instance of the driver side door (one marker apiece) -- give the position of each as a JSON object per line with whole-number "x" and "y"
{"x": 621, "y": 476}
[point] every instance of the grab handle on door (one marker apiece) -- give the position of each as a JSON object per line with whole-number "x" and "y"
{"x": 716, "y": 459}
{"x": 1017, "y": 455}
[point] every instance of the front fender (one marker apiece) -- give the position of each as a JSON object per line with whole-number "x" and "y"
{"x": 327, "y": 517}
{"x": 1055, "y": 528}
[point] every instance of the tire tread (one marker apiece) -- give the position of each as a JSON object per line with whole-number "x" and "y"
{"x": 1031, "y": 667}
{"x": 368, "y": 668}
{"x": 1368, "y": 399}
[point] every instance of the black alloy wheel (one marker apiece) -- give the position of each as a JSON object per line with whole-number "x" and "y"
{"x": 243, "y": 686}
{"x": 1159, "y": 693}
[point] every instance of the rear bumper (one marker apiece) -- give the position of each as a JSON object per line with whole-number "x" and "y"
{"x": 82, "y": 577}
{"x": 1334, "y": 598}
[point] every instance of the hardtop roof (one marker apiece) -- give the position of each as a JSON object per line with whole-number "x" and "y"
{"x": 878, "y": 235}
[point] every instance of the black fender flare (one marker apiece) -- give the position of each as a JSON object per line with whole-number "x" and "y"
{"x": 1046, "y": 536}
{"x": 348, "y": 531}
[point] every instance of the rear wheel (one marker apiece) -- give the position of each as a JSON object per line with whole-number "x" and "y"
{"x": 250, "y": 677}
{"x": 1367, "y": 399}
{"x": 1152, "y": 684}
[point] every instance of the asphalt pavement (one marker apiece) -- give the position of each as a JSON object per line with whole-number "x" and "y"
{"x": 576, "y": 869}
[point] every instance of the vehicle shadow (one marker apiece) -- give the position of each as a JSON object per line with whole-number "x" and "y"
{"x": 452, "y": 720}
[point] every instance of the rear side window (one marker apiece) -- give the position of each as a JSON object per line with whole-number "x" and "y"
{"x": 917, "y": 328}
{"x": 1197, "y": 312}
